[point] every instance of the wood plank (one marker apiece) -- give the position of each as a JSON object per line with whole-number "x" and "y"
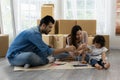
{"x": 7, "y": 73}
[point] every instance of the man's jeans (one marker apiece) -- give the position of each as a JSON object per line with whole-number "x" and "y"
{"x": 30, "y": 58}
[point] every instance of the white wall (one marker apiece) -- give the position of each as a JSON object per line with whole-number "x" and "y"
{"x": 1, "y": 30}
{"x": 59, "y": 9}
{"x": 114, "y": 40}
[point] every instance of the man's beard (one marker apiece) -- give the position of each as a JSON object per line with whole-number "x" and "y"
{"x": 45, "y": 32}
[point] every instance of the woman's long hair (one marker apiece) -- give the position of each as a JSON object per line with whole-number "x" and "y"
{"x": 73, "y": 35}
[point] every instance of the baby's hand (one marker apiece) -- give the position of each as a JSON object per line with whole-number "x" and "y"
{"x": 88, "y": 50}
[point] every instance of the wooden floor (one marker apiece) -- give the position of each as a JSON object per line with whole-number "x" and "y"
{"x": 7, "y": 73}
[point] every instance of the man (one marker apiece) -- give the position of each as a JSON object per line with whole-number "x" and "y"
{"x": 29, "y": 48}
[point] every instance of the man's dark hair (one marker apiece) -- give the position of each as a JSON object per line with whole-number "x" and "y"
{"x": 46, "y": 20}
{"x": 99, "y": 39}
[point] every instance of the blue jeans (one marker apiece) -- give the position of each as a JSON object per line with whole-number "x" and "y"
{"x": 66, "y": 54}
{"x": 30, "y": 58}
{"x": 61, "y": 55}
{"x": 93, "y": 62}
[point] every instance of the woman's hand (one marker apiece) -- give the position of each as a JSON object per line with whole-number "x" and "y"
{"x": 82, "y": 46}
{"x": 77, "y": 53}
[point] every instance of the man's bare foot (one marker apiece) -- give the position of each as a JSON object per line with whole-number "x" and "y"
{"x": 83, "y": 62}
{"x": 97, "y": 66}
{"x": 107, "y": 65}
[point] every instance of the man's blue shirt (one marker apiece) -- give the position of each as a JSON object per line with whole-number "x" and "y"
{"x": 29, "y": 40}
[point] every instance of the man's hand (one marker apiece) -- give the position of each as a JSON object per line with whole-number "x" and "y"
{"x": 50, "y": 46}
{"x": 70, "y": 49}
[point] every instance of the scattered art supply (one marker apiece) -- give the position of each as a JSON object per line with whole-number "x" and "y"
{"x": 57, "y": 64}
{"x": 80, "y": 65}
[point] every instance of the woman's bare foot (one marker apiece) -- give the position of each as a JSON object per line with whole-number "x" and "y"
{"x": 97, "y": 66}
{"x": 83, "y": 62}
{"x": 107, "y": 65}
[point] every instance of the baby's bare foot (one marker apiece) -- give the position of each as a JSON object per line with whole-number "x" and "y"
{"x": 106, "y": 65}
{"x": 97, "y": 66}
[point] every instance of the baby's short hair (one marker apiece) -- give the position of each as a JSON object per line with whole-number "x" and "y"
{"x": 99, "y": 39}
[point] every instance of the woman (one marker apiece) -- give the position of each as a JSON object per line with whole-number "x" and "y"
{"x": 79, "y": 39}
